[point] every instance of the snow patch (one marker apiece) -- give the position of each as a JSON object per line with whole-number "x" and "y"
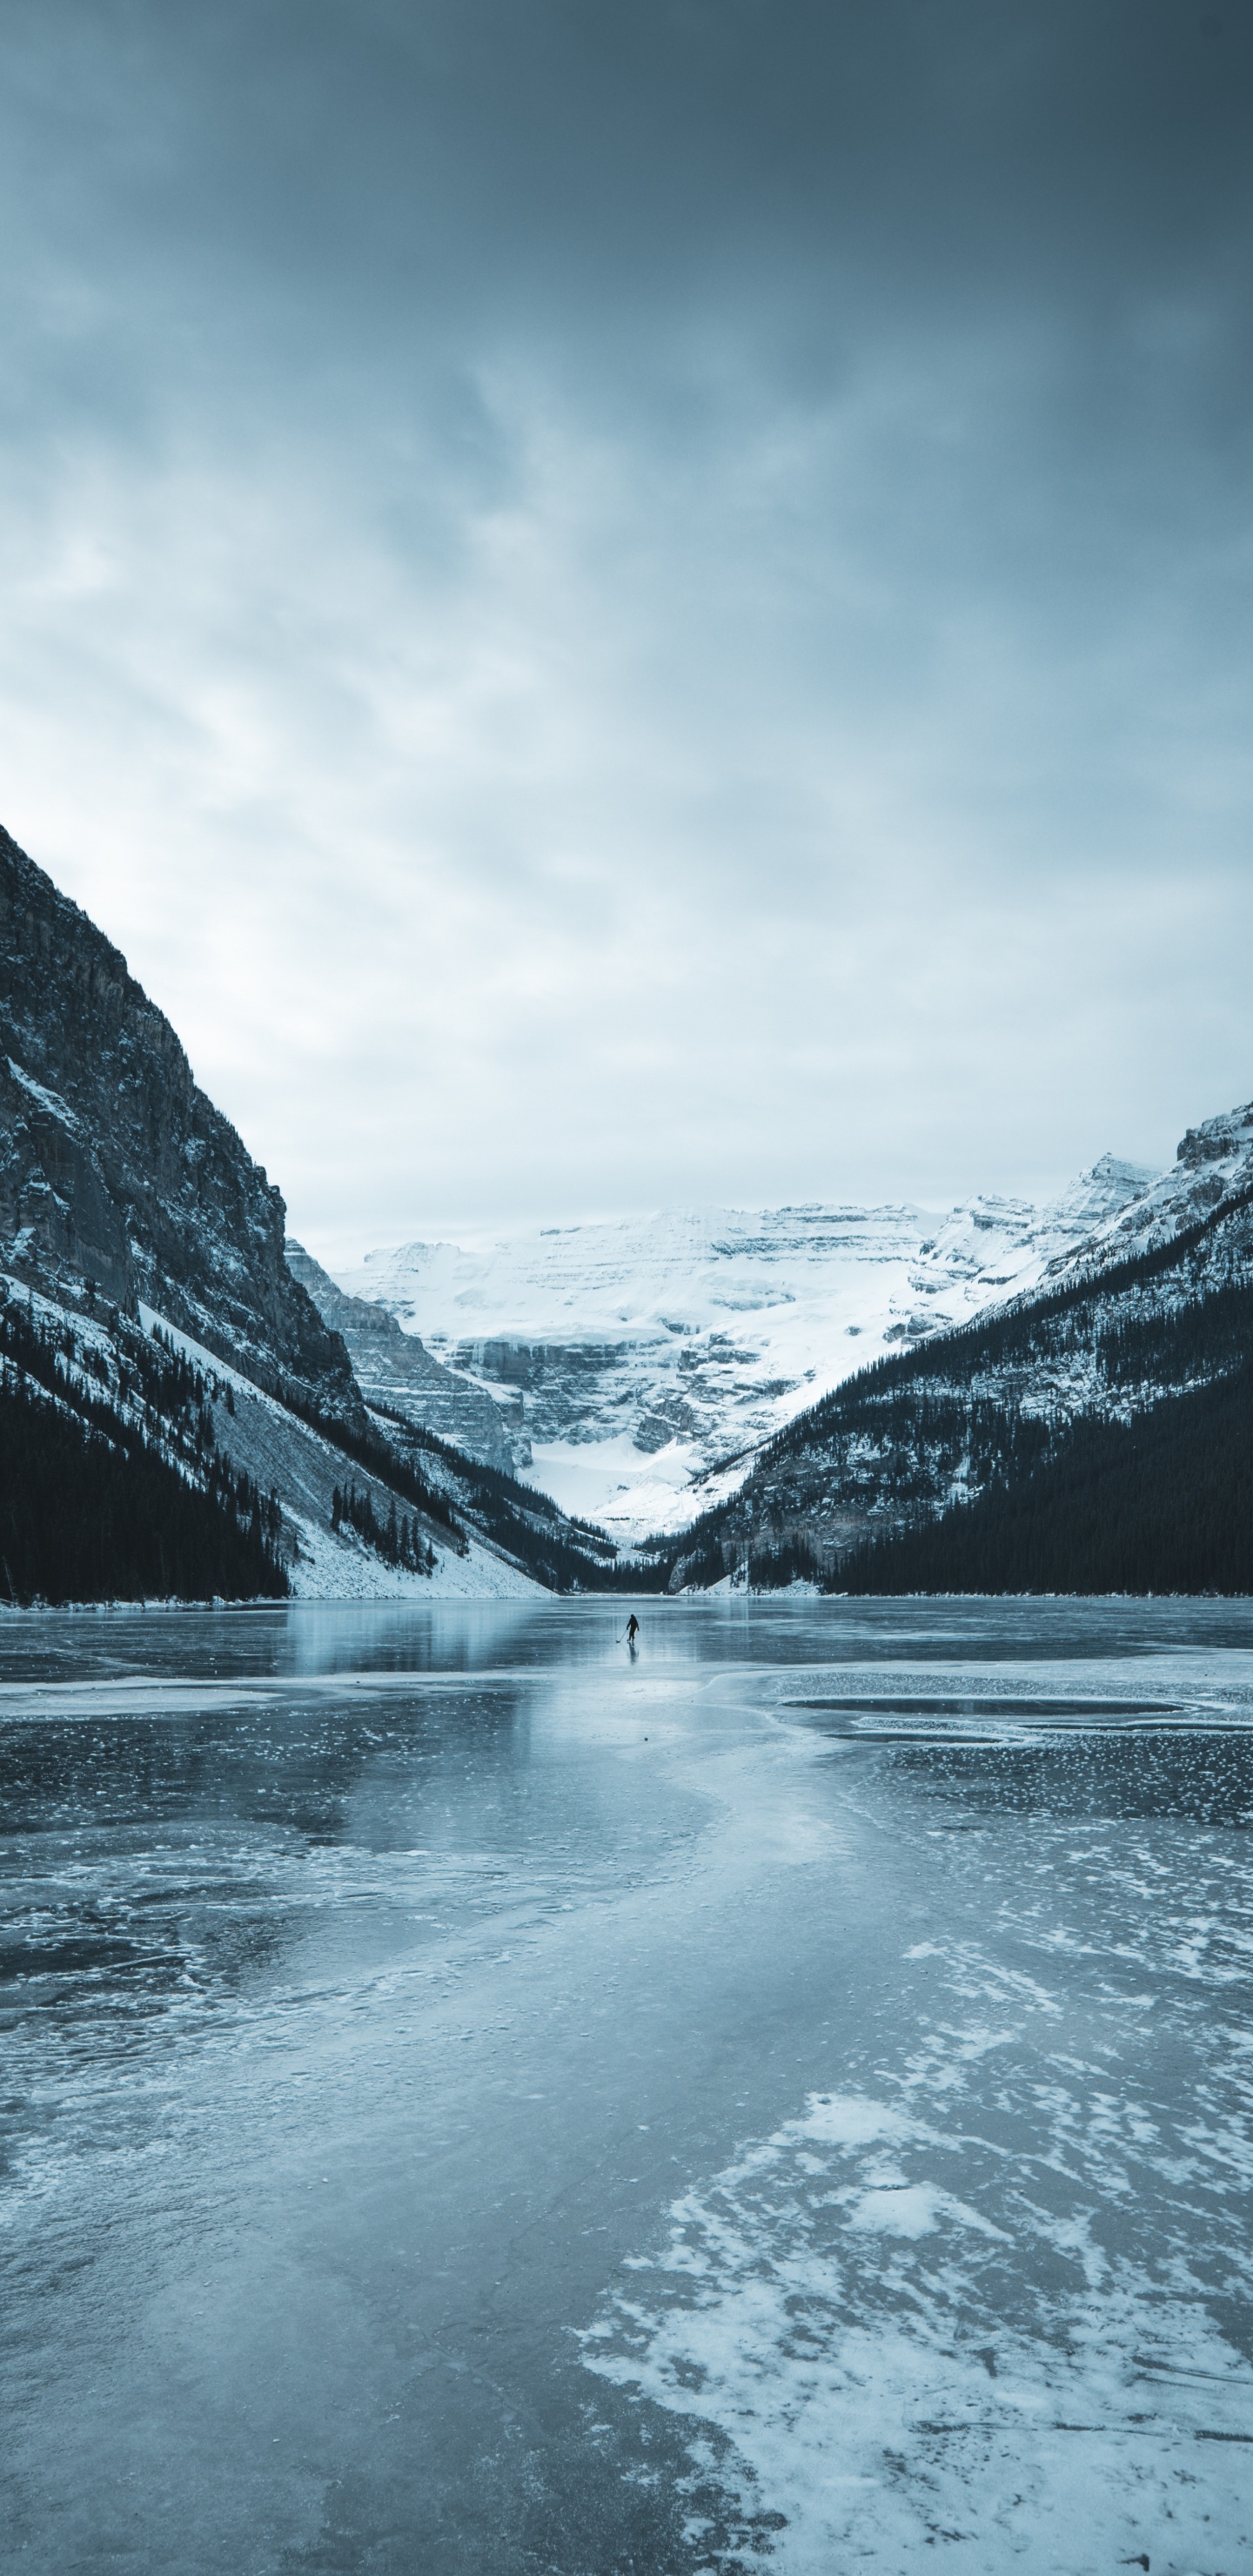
{"x": 845, "y": 2331}
{"x": 49, "y": 1101}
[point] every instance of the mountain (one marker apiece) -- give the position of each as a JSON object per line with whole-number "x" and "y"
{"x": 188, "y": 1406}
{"x": 1213, "y": 1162}
{"x": 1162, "y": 1503}
{"x": 1080, "y": 1436}
{"x": 639, "y": 1354}
{"x": 118, "y": 1175}
{"x": 176, "y": 1417}
{"x": 394, "y": 1370}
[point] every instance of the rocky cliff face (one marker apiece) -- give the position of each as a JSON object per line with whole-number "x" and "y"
{"x": 395, "y": 1370}
{"x": 118, "y": 1178}
{"x": 1213, "y": 1162}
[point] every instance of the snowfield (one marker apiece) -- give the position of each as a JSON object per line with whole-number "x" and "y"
{"x": 640, "y": 1354}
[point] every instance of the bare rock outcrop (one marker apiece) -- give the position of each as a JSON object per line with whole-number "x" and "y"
{"x": 394, "y": 1369}
{"x": 118, "y": 1177}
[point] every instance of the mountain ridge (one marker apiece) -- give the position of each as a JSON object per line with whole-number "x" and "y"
{"x": 117, "y": 1173}
{"x": 973, "y": 1420}
{"x": 394, "y": 1369}
{"x": 309, "y": 1424}
{"x": 640, "y": 1354}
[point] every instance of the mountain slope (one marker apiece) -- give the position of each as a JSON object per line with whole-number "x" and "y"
{"x": 142, "y": 1255}
{"x": 1163, "y": 1503}
{"x": 112, "y": 1487}
{"x": 981, "y": 1411}
{"x": 117, "y": 1174}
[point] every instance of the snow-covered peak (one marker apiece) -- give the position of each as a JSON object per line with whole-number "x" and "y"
{"x": 637, "y": 1351}
{"x": 1218, "y": 1140}
{"x": 674, "y": 1272}
{"x": 1212, "y": 1163}
{"x": 1101, "y": 1195}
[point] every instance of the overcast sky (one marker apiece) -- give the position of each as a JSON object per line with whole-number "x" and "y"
{"x": 622, "y": 606}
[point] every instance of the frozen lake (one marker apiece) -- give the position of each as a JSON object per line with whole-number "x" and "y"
{"x": 477, "y": 2106}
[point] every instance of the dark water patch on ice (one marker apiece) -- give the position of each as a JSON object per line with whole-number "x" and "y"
{"x": 1191, "y": 1774}
{"x": 1074, "y": 1712}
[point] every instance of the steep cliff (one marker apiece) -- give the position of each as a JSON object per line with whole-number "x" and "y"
{"x": 118, "y": 1178}
{"x": 179, "y": 1420}
{"x": 395, "y": 1370}
{"x": 1213, "y": 1163}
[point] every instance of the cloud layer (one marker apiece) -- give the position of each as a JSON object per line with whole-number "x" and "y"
{"x": 620, "y": 608}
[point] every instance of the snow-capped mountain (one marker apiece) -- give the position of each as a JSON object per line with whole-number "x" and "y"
{"x": 1213, "y": 1162}
{"x": 634, "y": 1356}
{"x": 1092, "y": 1436}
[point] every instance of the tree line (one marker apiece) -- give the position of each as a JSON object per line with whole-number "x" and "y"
{"x": 398, "y": 1542}
{"x": 90, "y": 1507}
{"x": 1163, "y": 1503}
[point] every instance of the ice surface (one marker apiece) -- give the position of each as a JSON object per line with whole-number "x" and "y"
{"x": 1002, "y": 2302}
{"x": 1013, "y": 2383}
{"x": 477, "y": 2104}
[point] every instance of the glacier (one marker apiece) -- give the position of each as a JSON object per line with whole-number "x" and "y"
{"x": 640, "y": 1363}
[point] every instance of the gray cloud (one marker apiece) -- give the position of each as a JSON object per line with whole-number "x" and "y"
{"x": 626, "y": 606}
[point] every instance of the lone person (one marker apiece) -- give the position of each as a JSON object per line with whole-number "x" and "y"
{"x": 633, "y": 1630}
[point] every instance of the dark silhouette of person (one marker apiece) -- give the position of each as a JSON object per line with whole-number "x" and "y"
{"x": 633, "y": 1630}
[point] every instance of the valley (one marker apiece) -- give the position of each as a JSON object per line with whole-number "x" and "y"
{"x": 630, "y": 1358}
{"x": 672, "y": 1400}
